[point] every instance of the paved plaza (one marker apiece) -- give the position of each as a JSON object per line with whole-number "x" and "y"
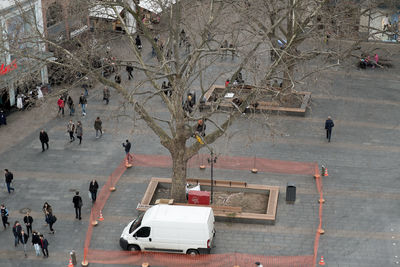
{"x": 360, "y": 216}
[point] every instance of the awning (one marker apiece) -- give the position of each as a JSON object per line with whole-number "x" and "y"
{"x": 103, "y": 12}
{"x": 156, "y": 6}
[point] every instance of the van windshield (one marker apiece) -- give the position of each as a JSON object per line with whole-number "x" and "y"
{"x": 136, "y": 224}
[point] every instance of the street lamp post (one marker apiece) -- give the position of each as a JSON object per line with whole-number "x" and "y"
{"x": 212, "y": 160}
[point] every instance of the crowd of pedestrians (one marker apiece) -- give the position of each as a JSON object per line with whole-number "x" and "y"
{"x": 39, "y": 242}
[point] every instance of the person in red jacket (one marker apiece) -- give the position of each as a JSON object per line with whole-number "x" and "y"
{"x": 60, "y": 104}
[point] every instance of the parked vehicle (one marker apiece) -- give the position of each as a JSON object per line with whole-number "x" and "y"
{"x": 171, "y": 228}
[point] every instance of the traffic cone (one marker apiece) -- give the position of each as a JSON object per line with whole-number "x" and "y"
{"x": 70, "y": 263}
{"x": 321, "y": 261}
{"x": 101, "y": 218}
{"x": 326, "y": 172}
{"x": 127, "y": 163}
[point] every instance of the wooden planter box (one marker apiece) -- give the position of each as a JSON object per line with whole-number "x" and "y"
{"x": 222, "y": 213}
{"x": 225, "y": 96}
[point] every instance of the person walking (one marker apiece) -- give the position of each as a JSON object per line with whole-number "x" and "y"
{"x": 127, "y": 145}
{"x": 71, "y": 106}
{"x": 129, "y": 69}
{"x": 98, "y": 127}
{"x": 138, "y": 42}
{"x": 117, "y": 78}
{"x": 70, "y": 130}
{"x": 3, "y": 118}
{"x": 46, "y": 210}
{"x": 17, "y": 228}
{"x": 36, "y": 242}
{"x": 60, "y": 104}
{"x": 4, "y": 216}
{"x": 83, "y": 103}
{"x": 328, "y": 127}
{"x": 44, "y": 244}
{"x": 28, "y": 220}
{"x": 77, "y": 200}
{"x": 8, "y": 178}
{"x": 51, "y": 219}
{"x": 79, "y": 131}
{"x": 44, "y": 139}
{"x": 24, "y": 240}
{"x": 93, "y": 187}
{"x": 106, "y": 95}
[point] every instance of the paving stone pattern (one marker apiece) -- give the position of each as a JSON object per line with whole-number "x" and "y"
{"x": 361, "y": 217}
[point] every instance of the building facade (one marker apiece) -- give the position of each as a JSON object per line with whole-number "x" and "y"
{"x": 21, "y": 52}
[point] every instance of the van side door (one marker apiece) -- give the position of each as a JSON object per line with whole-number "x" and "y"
{"x": 143, "y": 237}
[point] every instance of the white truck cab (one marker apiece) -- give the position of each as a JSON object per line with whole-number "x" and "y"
{"x": 171, "y": 228}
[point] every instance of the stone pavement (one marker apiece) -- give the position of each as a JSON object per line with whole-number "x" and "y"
{"x": 360, "y": 216}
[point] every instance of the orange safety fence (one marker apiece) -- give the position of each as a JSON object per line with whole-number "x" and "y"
{"x": 101, "y": 200}
{"x": 212, "y": 260}
{"x": 217, "y": 260}
{"x": 232, "y": 163}
{"x": 318, "y": 181}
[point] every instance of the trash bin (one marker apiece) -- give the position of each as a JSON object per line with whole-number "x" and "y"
{"x": 291, "y": 192}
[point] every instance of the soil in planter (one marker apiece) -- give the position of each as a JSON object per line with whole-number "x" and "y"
{"x": 249, "y": 202}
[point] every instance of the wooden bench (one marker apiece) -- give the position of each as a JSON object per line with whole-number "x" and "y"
{"x": 222, "y": 183}
{"x": 164, "y": 201}
{"x": 149, "y": 192}
{"x": 238, "y": 184}
{"x": 216, "y": 209}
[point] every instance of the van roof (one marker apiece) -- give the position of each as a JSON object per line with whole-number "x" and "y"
{"x": 175, "y": 213}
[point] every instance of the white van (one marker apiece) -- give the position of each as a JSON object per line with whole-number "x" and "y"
{"x": 171, "y": 228}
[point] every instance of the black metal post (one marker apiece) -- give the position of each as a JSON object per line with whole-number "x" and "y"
{"x": 212, "y": 160}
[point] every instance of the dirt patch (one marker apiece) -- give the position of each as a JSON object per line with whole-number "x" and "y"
{"x": 249, "y": 202}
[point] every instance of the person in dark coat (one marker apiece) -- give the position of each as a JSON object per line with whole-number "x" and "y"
{"x": 3, "y": 118}
{"x": 138, "y": 42}
{"x": 36, "y": 242}
{"x": 79, "y": 131}
{"x": 17, "y": 228}
{"x": 44, "y": 139}
{"x": 4, "y": 216}
{"x": 83, "y": 103}
{"x": 129, "y": 69}
{"x": 44, "y": 244}
{"x": 77, "y": 200}
{"x": 117, "y": 78}
{"x": 328, "y": 127}
{"x": 98, "y": 127}
{"x": 71, "y": 106}
{"x": 106, "y": 95}
{"x": 28, "y": 220}
{"x": 24, "y": 241}
{"x": 93, "y": 187}
{"x": 8, "y": 179}
{"x": 127, "y": 145}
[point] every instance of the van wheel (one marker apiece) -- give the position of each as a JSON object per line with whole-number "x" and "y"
{"x": 192, "y": 252}
{"x": 134, "y": 248}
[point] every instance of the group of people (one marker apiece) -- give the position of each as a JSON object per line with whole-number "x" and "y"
{"x": 167, "y": 88}
{"x": 225, "y": 48}
{"x": 67, "y": 99}
{"x": 75, "y": 129}
{"x": 39, "y": 242}
{"x": 366, "y": 61}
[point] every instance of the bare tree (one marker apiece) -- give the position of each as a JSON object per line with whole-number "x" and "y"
{"x": 253, "y": 29}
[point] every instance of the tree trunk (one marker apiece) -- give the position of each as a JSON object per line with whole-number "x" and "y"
{"x": 179, "y": 167}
